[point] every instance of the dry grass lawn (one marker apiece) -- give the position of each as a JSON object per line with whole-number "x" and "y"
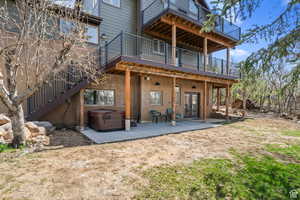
{"x": 113, "y": 171}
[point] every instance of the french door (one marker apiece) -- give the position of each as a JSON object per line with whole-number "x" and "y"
{"x": 191, "y": 105}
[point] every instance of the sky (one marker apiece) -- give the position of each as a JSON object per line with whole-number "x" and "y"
{"x": 267, "y": 11}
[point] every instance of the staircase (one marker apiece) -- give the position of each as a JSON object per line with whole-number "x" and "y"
{"x": 62, "y": 87}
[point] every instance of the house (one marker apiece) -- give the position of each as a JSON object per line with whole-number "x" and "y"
{"x": 154, "y": 57}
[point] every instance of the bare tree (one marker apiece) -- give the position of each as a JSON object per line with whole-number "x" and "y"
{"x": 33, "y": 51}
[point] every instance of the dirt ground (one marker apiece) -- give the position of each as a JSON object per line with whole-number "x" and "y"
{"x": 113, "y": 171}
{"x": 68, "y": 138}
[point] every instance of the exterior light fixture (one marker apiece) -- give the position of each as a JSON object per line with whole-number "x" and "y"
{"x": 103, "y": 37}
{"x": 147, "y": 78}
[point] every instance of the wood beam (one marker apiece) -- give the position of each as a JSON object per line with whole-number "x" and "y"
{"x": 205, "y": 53}
{"x": 143, "y": 69}
{"x": 196, "y": 30}
{"x": 81, "y": 109}
{"x": 227, "y": 101}
{"x": 174, "y": 44}
{"x": 218, "y": 99}
{"x": 127, "y": 100}
{"x": 174, "y": 101}
{"x": 205, "y": 101}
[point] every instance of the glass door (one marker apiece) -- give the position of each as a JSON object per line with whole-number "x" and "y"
{"x": 191, "y": 105}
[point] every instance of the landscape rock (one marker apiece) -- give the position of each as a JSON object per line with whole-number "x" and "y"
{"x": 4, "y": 119}
{"x": 2, "y": 141}
{"x": 35, "y": 135}
{"x": 8, "y": 136}
{"x": 27, "y": 133}
{"x": 47, "y": 125}
{"x": 32, "y": 127}
{"x": 6, "y": 127}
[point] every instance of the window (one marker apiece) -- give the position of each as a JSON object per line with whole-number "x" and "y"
{"x": 99, "y": 97}
{"x": 65, "y": 3}
{"x": 66, "y": 26}
{"x": 91, "y": 32}
{"x": 156, "y": 98}
{"x": 158, "y": 47}
{"x": 116, "y": 3}
{"x": 178, "y": 95}
{"x": 91, "y": 7}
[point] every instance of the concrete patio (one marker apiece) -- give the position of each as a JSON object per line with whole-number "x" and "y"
{"x": 148, "y": 130}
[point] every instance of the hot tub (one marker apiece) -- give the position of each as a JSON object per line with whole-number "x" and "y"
{"x": 106, "y": 120}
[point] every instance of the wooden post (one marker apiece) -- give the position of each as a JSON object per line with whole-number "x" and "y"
{"x": 228, "y": 61}
{"x": 205, "y": 53}
{"x": 205, "y": 101}
{"x": 127, "y": 100}
{"x": 218, "y": 99}
{"x": 81, "y": 109}
{"x": 174, "y": 44}
{"x": 174, "y": 102}
{"x": 227, "y": 101}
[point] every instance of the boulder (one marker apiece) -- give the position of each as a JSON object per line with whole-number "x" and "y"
{"x": 28, "y": 134}
{"x": 32, "y": 127}
{"x": 8, "y": 136}
{"x": 41, "y": 131}
{"x": 4, "y": 119}
{"x": 6, "y": 127}
{"x": 47, "y": 125}
{"x": 35, "y": 135}
{"x": 2, "y": 141}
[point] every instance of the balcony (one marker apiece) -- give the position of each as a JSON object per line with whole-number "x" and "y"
{"x": 189, "y": 11}
{"x": 147, "y": 51}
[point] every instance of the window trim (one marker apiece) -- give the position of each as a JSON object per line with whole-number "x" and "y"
{"x": 161, "y": 98}
{"x": 159, "y": 45}
{"x": 115, "y": 6}
{"x": 98, "y": 105}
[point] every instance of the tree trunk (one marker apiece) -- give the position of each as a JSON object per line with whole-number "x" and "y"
{"x": 269, "y": 103}
{"x": 18, "y": 127}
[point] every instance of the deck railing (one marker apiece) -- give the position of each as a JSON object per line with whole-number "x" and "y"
{"x": 147, "y": 49}
{"x": 198, "y": 14}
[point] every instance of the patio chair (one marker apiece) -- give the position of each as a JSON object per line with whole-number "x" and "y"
{"x": 155, "y": 115}
{"x": 169, "y": 113}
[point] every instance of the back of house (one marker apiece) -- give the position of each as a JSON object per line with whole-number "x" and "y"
{"x": 154, "y": 59}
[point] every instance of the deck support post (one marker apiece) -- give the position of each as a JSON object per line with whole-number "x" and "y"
{"x": 173, "y": 121}
{"x": 205, "y": 101}
{"x": 127, "y": 100}
{"x": 205, "y": 54}
{"x": 81, "y": 109}
{"x": 218, "y": 99}
{"x": 228, "y": 63}
{"x": 174, "y": 44}
{"x": 227, "y": 101}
